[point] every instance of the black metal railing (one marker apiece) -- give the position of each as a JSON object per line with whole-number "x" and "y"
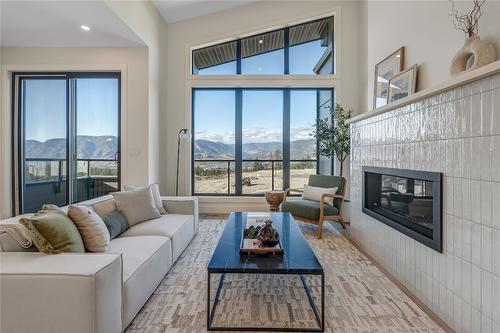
{"x": 47, "y": 183}
{"x": 213, "y": 170}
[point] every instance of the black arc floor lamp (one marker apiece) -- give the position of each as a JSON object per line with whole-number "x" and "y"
{"x": 184, "y": 136}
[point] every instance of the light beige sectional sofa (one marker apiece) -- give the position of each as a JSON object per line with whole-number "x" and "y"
{"x": 92, "y": 292}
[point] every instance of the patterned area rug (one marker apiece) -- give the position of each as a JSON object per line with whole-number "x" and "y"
{"x": 359, "y": 297}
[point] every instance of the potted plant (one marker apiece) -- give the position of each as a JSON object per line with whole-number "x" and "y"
{"x": 334, "y": 138}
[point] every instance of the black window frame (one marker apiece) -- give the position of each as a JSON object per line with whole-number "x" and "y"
{"x": 238, "y": 154}
{"x": 18, "y": 137}
{"x": 286, "y": 49}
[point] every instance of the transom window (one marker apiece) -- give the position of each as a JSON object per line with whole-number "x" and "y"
{"x": 300, "y": 49}
{"x": 251, "y": 140}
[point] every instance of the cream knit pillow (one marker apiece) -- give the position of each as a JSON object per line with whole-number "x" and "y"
{"x": 155, "y": 190}
{"x": 94, "y": 233}
{"x": 314, "y": 193}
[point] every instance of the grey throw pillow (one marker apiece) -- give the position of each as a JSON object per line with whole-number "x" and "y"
{"x": 137, "y": 206}
{"x": 115, "y": 222}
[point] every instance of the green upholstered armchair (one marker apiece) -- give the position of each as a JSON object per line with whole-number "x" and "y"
{"x": 316, "y": 212}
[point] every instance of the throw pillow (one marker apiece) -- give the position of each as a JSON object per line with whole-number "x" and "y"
{"x": 155, "y": 189}
{"x": 53, "y": 232}
{"x": 314, "y": 193}
{"x": 137, "y": 206}
{"x": 94, "y": 233}
{"x": 115, "y": 222}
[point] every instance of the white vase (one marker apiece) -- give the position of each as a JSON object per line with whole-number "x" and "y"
{"x": 474, "y": 54}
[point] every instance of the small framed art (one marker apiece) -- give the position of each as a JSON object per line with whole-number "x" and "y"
{"x": 384, "y": 71}
{"x": 403, "y": 84}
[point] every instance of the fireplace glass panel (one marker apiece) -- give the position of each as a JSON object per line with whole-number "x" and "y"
{"x": 407, "y": 201}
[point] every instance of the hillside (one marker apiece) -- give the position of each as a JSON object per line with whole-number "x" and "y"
{"x": 88, "y": 147}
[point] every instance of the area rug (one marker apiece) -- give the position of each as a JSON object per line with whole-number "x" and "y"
{"x": 358, "y": 296}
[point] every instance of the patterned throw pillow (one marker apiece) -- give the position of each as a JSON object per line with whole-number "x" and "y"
{"x": 53, "y": 232}
{"x": 94, "y": 233}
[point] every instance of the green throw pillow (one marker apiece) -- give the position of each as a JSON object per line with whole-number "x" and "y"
{"x": 115, "y": 222}
{"x": 53, "y": 232}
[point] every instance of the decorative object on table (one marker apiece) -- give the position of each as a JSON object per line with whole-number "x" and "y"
{"x": 334, "y": 139}
{"x": 475, "y": 53}
{"x": 274, "y": 199}
{"x": 183, "y": 136}
{"x": 267, "y": 234}
{"x": 403, "y": 84}
{"x": 384, "y": 71}
{"x": 260, "y": 237}
{"x": 316, "y": 212}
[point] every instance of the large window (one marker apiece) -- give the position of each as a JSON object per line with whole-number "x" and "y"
{"x": 250, "y": 140}
{"x": 68, "y": 133}
{"x": 300, "y": 49}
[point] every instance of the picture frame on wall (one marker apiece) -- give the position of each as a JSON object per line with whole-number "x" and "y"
{"x": 384, "y": 71}
{"x": 402, "y": 85}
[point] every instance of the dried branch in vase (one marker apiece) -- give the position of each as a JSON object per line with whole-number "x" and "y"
{"x": 469, "y": 21}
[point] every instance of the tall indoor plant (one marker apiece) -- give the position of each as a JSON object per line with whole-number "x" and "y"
{"x": 334, "y": 138}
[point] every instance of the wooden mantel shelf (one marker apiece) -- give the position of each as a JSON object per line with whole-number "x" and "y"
{"x": 459, "y": 80}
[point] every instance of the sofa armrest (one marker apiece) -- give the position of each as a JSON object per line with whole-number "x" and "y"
{"x": 183, "y": 205}
{"x": 67, "y": 292}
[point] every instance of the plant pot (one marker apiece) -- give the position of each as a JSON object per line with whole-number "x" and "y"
{"x": 474, "y": 54}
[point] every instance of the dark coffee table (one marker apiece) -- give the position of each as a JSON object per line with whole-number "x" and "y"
{"x": 298, "y": 258}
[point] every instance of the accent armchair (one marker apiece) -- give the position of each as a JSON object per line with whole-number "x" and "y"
{"x": 316, "y": 212}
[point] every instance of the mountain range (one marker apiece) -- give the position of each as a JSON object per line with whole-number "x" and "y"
{"x": 88, "y": 147}
{"x": 299, "y": 149}
{"x": 105, "y": 147}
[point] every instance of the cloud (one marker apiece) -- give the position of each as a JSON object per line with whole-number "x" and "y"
{"x": 301, "y": 133}
{"x": 257, "y": 135}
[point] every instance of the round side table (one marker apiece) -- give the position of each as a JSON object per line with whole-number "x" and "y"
{"x": 274, "y": 199}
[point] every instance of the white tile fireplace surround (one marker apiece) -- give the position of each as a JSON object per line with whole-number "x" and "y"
{"x": 457, "y": 133}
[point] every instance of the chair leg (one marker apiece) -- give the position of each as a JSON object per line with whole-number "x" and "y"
{"x": 320, "y": 228}
{"x": 341, "y": 220}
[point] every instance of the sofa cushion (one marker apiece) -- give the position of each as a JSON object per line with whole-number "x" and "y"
{"x": 53, "y": 232}
{"x": 178, "y": 227}
{"x": 146, "y": 260}
{"x": 115, "y": 222}
{"x": 94, "y": 233}
{"x": 155, "y": 190}
{"x": 137, "y": 206}
{"x": 308, "y": 209}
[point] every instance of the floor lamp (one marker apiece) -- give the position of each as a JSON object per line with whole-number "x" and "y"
{"x": 184, "y": 135}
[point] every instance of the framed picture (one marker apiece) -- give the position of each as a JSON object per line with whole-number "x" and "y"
{"x": 402, "y": 85}
{"x": 384, "y": 71}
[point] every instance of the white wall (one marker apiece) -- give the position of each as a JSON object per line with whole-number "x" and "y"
{"x": 133, "y": 62}
{"x": 147, "y": 23}
{"x": 427, "y": 32}
{"x": 236, "y": 22}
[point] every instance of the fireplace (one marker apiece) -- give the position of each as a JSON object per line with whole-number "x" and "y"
{"x": 406, "y": 200}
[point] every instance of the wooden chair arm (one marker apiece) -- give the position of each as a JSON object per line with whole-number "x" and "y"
{"x": 329, "y": 195}
{"x": 288, "y": 190}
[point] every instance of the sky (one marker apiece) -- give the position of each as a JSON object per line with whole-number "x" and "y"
{"x": 262, "y": 109}
{"x": 45, "y": 108}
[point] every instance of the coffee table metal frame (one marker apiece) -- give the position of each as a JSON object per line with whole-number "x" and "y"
{"x": 319, "y": 316}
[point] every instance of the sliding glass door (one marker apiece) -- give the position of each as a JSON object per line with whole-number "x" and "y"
{"x": 67, "y": 128}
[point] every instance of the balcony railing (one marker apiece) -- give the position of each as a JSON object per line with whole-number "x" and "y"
{"x": 46, "y": 181}
{"x": 217, "y": 176}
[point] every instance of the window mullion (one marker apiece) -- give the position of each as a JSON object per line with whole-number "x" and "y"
{"x": 286, "y": 138}
{"x": 238, "y": 129}
{"x": 286, "y": 46}
{"x": 238, "y": 56}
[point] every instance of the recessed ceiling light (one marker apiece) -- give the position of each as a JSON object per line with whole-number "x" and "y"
{"x": 85, "y": 27}
{"x": 261, "y": 41}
